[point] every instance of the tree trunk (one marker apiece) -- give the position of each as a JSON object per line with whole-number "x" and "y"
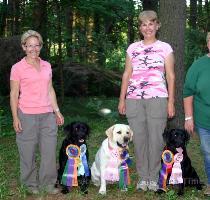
{"x": 69, "y": 26}
{"x": 3, "y": 17}
{"x": 207, "y": 16}
{"x": 16, "y": 12}
{"x": 40, "y": 23}
{"x": 200, "y": 14}
{"x": 59, "y": 60}
{"x": 130, "y": 25}
{"x": 193, "y": 14}
{"x": 172, "y": 31}
{"x": 100, "y": 59}
{"x": 150, "y": 5}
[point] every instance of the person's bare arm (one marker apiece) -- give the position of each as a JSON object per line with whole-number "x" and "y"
{"x": 124, "y": 85}
{"x": 188, "y": 110}
{"x": 14, "y": 95}
{"x": 59, "y": 116}
{"x": 170, "y": 78}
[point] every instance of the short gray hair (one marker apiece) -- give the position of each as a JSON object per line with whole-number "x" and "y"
{"x": 31, "y": 33}
{"x": 150, "y": 15}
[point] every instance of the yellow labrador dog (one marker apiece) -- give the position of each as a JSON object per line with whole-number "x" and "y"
{"x": 107, "y": 160}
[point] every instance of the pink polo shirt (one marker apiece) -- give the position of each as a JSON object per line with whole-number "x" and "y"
{"x": 34, "y": 86}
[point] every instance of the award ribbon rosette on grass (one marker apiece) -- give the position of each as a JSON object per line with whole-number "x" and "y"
{"x": 69, "y": 177}
{"x": 168, "y": 160}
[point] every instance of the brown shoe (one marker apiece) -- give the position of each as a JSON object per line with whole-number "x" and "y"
{"x": 207, "y": 190}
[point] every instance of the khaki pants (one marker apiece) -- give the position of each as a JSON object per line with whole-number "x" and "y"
{"x": 147, "y": 118}
{"x": 39, "y": 130}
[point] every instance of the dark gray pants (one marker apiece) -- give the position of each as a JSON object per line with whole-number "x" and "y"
{"x": 147, "y": 118}
{"x": 39, "y": 130}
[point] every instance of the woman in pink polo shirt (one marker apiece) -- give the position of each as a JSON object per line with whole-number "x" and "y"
{"x": 35, "y": 115}
{"x": 147, "y": 97}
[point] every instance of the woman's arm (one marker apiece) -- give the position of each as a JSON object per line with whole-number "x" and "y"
{"x": 59, "y": 116}
{"x": 188, "y": 110}
{"x": 170, "y": 78}
{"x": 125, "y": 78}
{"x": 14, "y": 94}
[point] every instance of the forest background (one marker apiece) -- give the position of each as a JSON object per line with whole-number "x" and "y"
{"x": 86, "y": 42}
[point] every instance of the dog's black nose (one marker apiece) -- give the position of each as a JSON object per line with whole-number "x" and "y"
{"x": 126, "y": 139}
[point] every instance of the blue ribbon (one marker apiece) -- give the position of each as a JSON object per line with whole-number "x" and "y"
{"x": 83, "y": 168}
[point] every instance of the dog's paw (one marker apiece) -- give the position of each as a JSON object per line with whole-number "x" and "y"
{"x": 102, "y": 192}
{"x": 180, "y": 193}
{"x": 65, "y": 191}
{"x": 160, "y": 191}
{"x": 199, "y": 187}
{"x": 97, "y": 184}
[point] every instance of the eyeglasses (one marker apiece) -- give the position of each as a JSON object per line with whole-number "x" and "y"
{"x": 38, "y": 46}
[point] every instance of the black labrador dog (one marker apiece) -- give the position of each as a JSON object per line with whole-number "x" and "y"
{"x": 76, "y": 135}
{"x": 176, "y": 141}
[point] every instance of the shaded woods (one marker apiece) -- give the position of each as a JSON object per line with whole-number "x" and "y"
{"x": 86, "y": 40}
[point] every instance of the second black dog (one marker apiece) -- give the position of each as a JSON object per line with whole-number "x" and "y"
{"x": 76, "y": 134}
{"x": 176, "y": 141}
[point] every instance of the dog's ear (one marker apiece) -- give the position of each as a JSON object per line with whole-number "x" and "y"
{"x": 109, "y": 132}
{"x": 67, "y": 129}
{"x": 131, "y": 132}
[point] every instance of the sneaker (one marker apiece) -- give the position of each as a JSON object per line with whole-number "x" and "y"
{"x": 50, "y": 189}
{"x": 153, "y": 186}
{"x": 142, "y": 185}
{"x": 207, "y": 191}
{"x": 33, "y": 190}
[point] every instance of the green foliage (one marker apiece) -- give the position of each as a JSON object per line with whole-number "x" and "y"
{"x": 195, "y": 46}
{"x": 5, "y": 118}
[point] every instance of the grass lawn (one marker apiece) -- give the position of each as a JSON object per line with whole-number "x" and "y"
{"x": 83, "y": 109}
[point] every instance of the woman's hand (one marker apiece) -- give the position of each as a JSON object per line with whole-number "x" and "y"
{"x": 189, "y": 126}
{"x": 17, "y": 125}
{"x": 171, "y": 110}
{"x": 122, "y": 107}
{"x": 59, "y": 118}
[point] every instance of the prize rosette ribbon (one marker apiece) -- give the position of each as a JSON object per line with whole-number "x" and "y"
{"x": 168, "y": 160}
{"x": 69, "y": 177}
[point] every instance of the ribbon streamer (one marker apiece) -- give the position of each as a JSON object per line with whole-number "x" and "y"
{"x": 168, "y": 159}
{"x": 83, "y": 168}
{"x": 124, "y": 175}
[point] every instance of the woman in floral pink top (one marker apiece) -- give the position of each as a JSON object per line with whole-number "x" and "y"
{"x": 147, "y": 97}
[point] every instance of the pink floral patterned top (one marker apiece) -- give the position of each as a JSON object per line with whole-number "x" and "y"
{"x": 148, "y": 76}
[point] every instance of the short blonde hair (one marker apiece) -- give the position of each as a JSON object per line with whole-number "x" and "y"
{"x": 31, "y": 33}
{"x": 148, "y": 15}
{"x": 208, "y": 37}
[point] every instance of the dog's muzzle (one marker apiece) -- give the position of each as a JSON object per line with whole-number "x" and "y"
{"x": 123, "y": 145}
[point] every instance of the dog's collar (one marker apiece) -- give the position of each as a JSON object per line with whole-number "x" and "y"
{"x": 179, "y": 149}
